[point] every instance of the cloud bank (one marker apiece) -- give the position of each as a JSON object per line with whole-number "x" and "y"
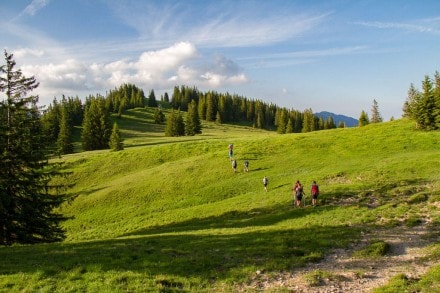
{"x": 159, "y": 69}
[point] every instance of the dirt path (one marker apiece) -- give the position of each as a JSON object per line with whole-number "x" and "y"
{"x": 348, "y": 274}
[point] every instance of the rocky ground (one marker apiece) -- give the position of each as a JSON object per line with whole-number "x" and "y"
{"x": 344, "y": 273}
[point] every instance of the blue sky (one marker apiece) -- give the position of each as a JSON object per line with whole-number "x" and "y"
{"x": 332, "y": 56}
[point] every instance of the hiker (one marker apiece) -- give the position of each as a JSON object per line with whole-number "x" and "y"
{"x": 230, "y": 147}
{"x": 299, "y": 192}
{"x": 234, "y": 165}
{"x": 246, "y": 166}
{"x": 314, "y": 191}
{"x": 265, "y": 182}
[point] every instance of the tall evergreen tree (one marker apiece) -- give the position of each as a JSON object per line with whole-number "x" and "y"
{"x": 375, "y": 114}
{"x": 175, "y": 125}
{"x": 282, "y": 119}
{"x": 309, "y": 121}
{"x": 96, "y": 125}
{"x": 159, "y": 117}
{"x": 363, "y": 119}
{"x": 193, "y": 125}
{"x": 116, "y": 143}
{"x": 26, "y": 205}
{"x": 152, "y": 99}
{"x": 64, "y": 142}
{"x": 427, "y": 106}
{"x": 412, "y": 100}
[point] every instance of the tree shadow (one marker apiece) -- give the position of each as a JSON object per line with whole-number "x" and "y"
{"x": 208, "y": 257}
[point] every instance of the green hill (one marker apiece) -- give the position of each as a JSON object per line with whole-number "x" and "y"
{"x": 169, "y": 214}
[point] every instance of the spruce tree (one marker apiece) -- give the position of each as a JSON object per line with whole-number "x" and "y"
{"x": 26, "y": 205}
{"x": 193, "y": 125}
{"x": 96, "y": 125}
{"x": 64, "y": 142}
{"x": 375, "y": 114}
{"x": 308, "y": 121}
{"x": 116, "y": 139}
{"x": 171, "y": 121}
{"x": 363, "y": 119}
{"x": 159, "y": 117}
{"x": 175, "y": 125}
{"x": 152, "y": 99}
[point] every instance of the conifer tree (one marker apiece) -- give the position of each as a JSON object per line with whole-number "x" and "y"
{"x": 410, "y": 105}
{"x": 289, "y": 127}
{"x": 64, "y": 142}
{"x": 175, "y": 125}
{"x": 166, "y": 98}
{"x": 427, "y": 106}
{"x": 375, "y": 114}
{"x": 159, "y": 117}
{"x": 96, "y": 125}
{"x": 281, "y": 128}
{"x": 26, "y": 205}
{"x": 363, "y": 119}
{"x": 152, "y": 99}
{"x": 116, "y": 139}
{"x": 308, "y": 121}
{"x": 193, "y": 125}
{"x": 218, "y": 118}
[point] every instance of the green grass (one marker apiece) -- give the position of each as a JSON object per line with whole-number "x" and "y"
{"x": 169, "y": 215}
{"x": 375, "y": 249}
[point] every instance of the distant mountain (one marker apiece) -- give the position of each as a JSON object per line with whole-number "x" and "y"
{"x": 349, "y": 121}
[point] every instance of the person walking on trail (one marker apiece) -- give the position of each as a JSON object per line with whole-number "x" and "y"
{"x": 299, "y": 192}
{"x": 265, "y": 182}
{"x": 230, "y": 147}
{"x": 314, "y": 191}
{"x": 246, "y": 166}
{"x": 234, "y": 165}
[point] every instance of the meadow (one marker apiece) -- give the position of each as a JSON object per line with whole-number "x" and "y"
{"x": 168, "y": 214}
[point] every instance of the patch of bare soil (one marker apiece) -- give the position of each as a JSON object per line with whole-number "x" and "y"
{"x": 345, "y": 273}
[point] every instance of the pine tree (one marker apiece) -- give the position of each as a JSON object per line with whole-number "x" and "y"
{"x": 281, "y": 128}
{"x": 218, "y": 118}
{"x": 193, "y": 125}
{"x": 412, "y": 100}
{"x": 308, "y": 121}
{"x": 26, "y": 205}
{"x": 116, "y": 139}
{"x": 375, "y": 114}
{"x": 159, "y": 117}
{"x": 175, "y": 125}
{"x": 289, "y": 127}
{"x": 363, "y": 119}
{"x": 427, "y": 106}
{"x": 64, "y": 142}
{"x": 96, "y": 125}
{"x": 152, "y": 99}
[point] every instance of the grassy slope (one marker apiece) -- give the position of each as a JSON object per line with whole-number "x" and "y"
{"x": 170, "y": 212}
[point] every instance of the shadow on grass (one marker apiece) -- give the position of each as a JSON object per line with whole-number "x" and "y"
{"x": 207, "y": 257}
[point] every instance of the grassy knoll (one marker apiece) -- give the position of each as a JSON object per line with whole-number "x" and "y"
{"x": 170, "y": 215}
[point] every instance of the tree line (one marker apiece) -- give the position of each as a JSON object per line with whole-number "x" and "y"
{"x": 189, "y": 107}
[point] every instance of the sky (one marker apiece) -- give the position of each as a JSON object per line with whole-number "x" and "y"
{"x": 334, "y": 55}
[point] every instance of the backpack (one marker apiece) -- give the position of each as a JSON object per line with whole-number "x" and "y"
{"x": 315, "y": 189}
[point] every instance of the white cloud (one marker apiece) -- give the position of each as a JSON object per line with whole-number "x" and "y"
{"x": 431, "y": 25}
{"x": 26, "y": 52}
{"x": 231, "y": 24}
{"x": 159, "y": 70}
{"x": 35, "y": 5}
